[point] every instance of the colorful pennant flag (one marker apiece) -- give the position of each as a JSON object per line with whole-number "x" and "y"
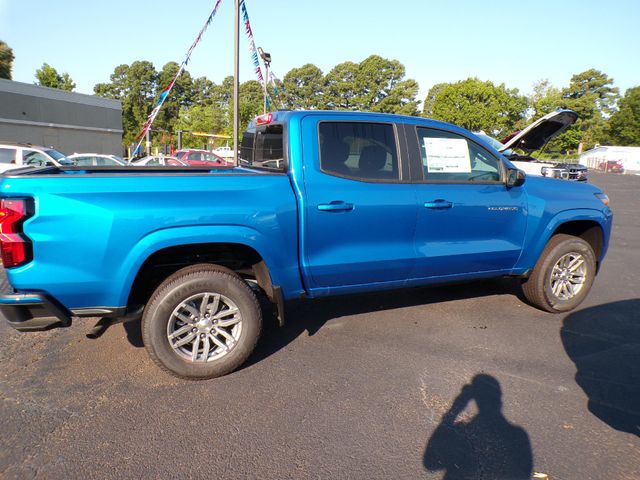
{"x": 166, "y": 90}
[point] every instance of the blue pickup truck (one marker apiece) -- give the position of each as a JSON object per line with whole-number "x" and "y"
{"x": 321, "y": 204}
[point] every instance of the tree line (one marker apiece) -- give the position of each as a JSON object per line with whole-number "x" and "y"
{"x": 376, "y": 84}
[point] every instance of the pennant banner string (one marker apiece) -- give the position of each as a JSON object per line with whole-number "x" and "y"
{"x": 166, "y": 90}
{"x": 255, "y": 58}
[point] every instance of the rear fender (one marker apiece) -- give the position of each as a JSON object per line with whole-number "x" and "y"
{"x": 180, "y": 236}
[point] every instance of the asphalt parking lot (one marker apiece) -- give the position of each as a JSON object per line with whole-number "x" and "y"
{"x": 467, "y": 381}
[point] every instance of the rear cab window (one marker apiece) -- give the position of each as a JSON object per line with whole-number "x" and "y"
{"x": 263, "y": 147}
{"x": 7, "y": 155}
{"x": 364, "y": 151}
{"x": 452, "y": 158}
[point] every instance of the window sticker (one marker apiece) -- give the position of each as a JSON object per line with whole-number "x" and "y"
{"x": 447, "y": 155}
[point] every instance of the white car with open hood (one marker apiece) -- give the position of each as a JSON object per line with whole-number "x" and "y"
{"x": 535, "y": 137}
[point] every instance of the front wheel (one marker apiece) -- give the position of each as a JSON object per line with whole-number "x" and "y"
{"x": 563, "y": 275}
{"x": 201, "y": 322}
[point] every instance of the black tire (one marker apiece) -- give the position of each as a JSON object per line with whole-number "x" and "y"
{"x": 175, "y": 293}
{"x": 538, "y": 287}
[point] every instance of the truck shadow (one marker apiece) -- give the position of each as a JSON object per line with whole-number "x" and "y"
{"x": 310, "y": 316}
{"x": 604, "y": 344}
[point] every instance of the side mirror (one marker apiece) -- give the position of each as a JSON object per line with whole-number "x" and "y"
{"x": 515, "y": 177}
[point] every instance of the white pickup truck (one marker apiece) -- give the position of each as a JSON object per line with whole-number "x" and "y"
{"x": 535, "y": 137}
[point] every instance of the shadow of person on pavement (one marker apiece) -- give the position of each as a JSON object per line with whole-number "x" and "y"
{"x": 482, "y": 446}
{"x": 604, "y": 343}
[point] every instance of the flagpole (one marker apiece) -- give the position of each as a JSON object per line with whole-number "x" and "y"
{"x": 236, "y": 81}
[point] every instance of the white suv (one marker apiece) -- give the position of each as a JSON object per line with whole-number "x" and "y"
{"x": 15, "y": 155}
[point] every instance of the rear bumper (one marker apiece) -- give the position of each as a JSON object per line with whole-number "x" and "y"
{"x": 33, "y": 312}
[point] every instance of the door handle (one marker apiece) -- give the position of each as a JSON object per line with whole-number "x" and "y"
{"x": 335, "y": 206}
{"x": 438, "y": 204}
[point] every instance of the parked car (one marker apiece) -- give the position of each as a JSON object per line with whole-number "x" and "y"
{"x": 519, "y": 146}
{"x": 200, "y": 158}
{"x": 614, "y": 166}
{"x": 326, "y": 203}
{"x": 15, "y": 155}
{"x": 159, "y": 160}
{"x": 96, "y": 160}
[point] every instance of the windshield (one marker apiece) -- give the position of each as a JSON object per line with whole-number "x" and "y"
{"x": 494, "y": 143}
{"x": 56, "y": 155}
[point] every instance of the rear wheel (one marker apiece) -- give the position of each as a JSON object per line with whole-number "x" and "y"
{"x": 563, "y": 275}
{"x": 202, "y": 322}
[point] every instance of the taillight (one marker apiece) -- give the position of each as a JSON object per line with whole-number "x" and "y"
{"x": 14, "y": 246}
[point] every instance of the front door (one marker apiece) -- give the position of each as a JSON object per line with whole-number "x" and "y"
{"x": 468, "y": 220}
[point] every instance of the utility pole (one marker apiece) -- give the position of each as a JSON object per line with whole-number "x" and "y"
{"x": 236, "y": 80}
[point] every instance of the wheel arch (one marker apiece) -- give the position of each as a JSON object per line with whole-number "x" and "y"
{"x": 164, "y": 252}
{"x": 593, "y": 226}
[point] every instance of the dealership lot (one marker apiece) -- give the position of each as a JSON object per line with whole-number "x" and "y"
{"x": 353, "y": 387}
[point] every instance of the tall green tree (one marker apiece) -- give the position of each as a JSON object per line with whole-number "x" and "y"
{"x": 430, "y": 100}
{"x": 48, "y": 76}
{"x": 480, "y": 105}
{"x": 624, "y": 125}
{"x": 376, "y": 84}
{"x": 341, "y": 90}
{"x": 181, "y": 96}
{"x": 135, "y": 86}
{"x": 593, "y": 97}
{"x": 383, "y": 88}
{"x": 305, "y": 87}
{"x": 545, "y": 98}
{"x": 6, "y": 60}
{"x": 202, "y": 91}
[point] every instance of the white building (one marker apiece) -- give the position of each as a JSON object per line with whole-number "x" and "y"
{"x": 628, "y": 156}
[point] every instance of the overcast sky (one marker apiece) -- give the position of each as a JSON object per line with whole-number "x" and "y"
{"x": 511, "y": 42}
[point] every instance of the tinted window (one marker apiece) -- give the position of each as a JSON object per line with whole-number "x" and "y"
{"x": 263, "y": 147}
{"x": 7, "y": 155}
{"x": 246, "y": 147}
{"x": 36, "y": 158}
{"x": 210, "y": 157}
{"x": 359, "y": 150}
{"x": 449, "y": 157}
{"x": 83, "y": 161}
{"x": 194, "y": 156}
{"x": 56, "y": 155}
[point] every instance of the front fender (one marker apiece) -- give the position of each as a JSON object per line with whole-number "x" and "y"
{"x": 538, "y": 236}
{"x": 282, "y": 273}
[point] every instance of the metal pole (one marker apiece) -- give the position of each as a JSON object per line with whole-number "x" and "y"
{"x": 148, "y": 149}
{"x": 266, "y": 86}
{"x": 236, "y": 81}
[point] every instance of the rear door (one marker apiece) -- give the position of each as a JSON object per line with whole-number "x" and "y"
{"x": 358, "y": 215}
{"x": 468, "y": 220}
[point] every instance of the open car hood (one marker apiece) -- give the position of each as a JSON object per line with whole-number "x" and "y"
{"x": 536, "y": 135}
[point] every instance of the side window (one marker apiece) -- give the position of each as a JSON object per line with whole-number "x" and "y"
{"x": 359, "y": 150}
{"x": 449, "y": 157}
{"x": 84, "y": 161}
{"x": 7, "y": 155}
{"x": 36, "y": 158}
{"x": 154, "y": 161}
{"x": 195, "y": 156}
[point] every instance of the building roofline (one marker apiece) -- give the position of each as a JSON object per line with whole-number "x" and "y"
{"x": 20, "y": 88}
